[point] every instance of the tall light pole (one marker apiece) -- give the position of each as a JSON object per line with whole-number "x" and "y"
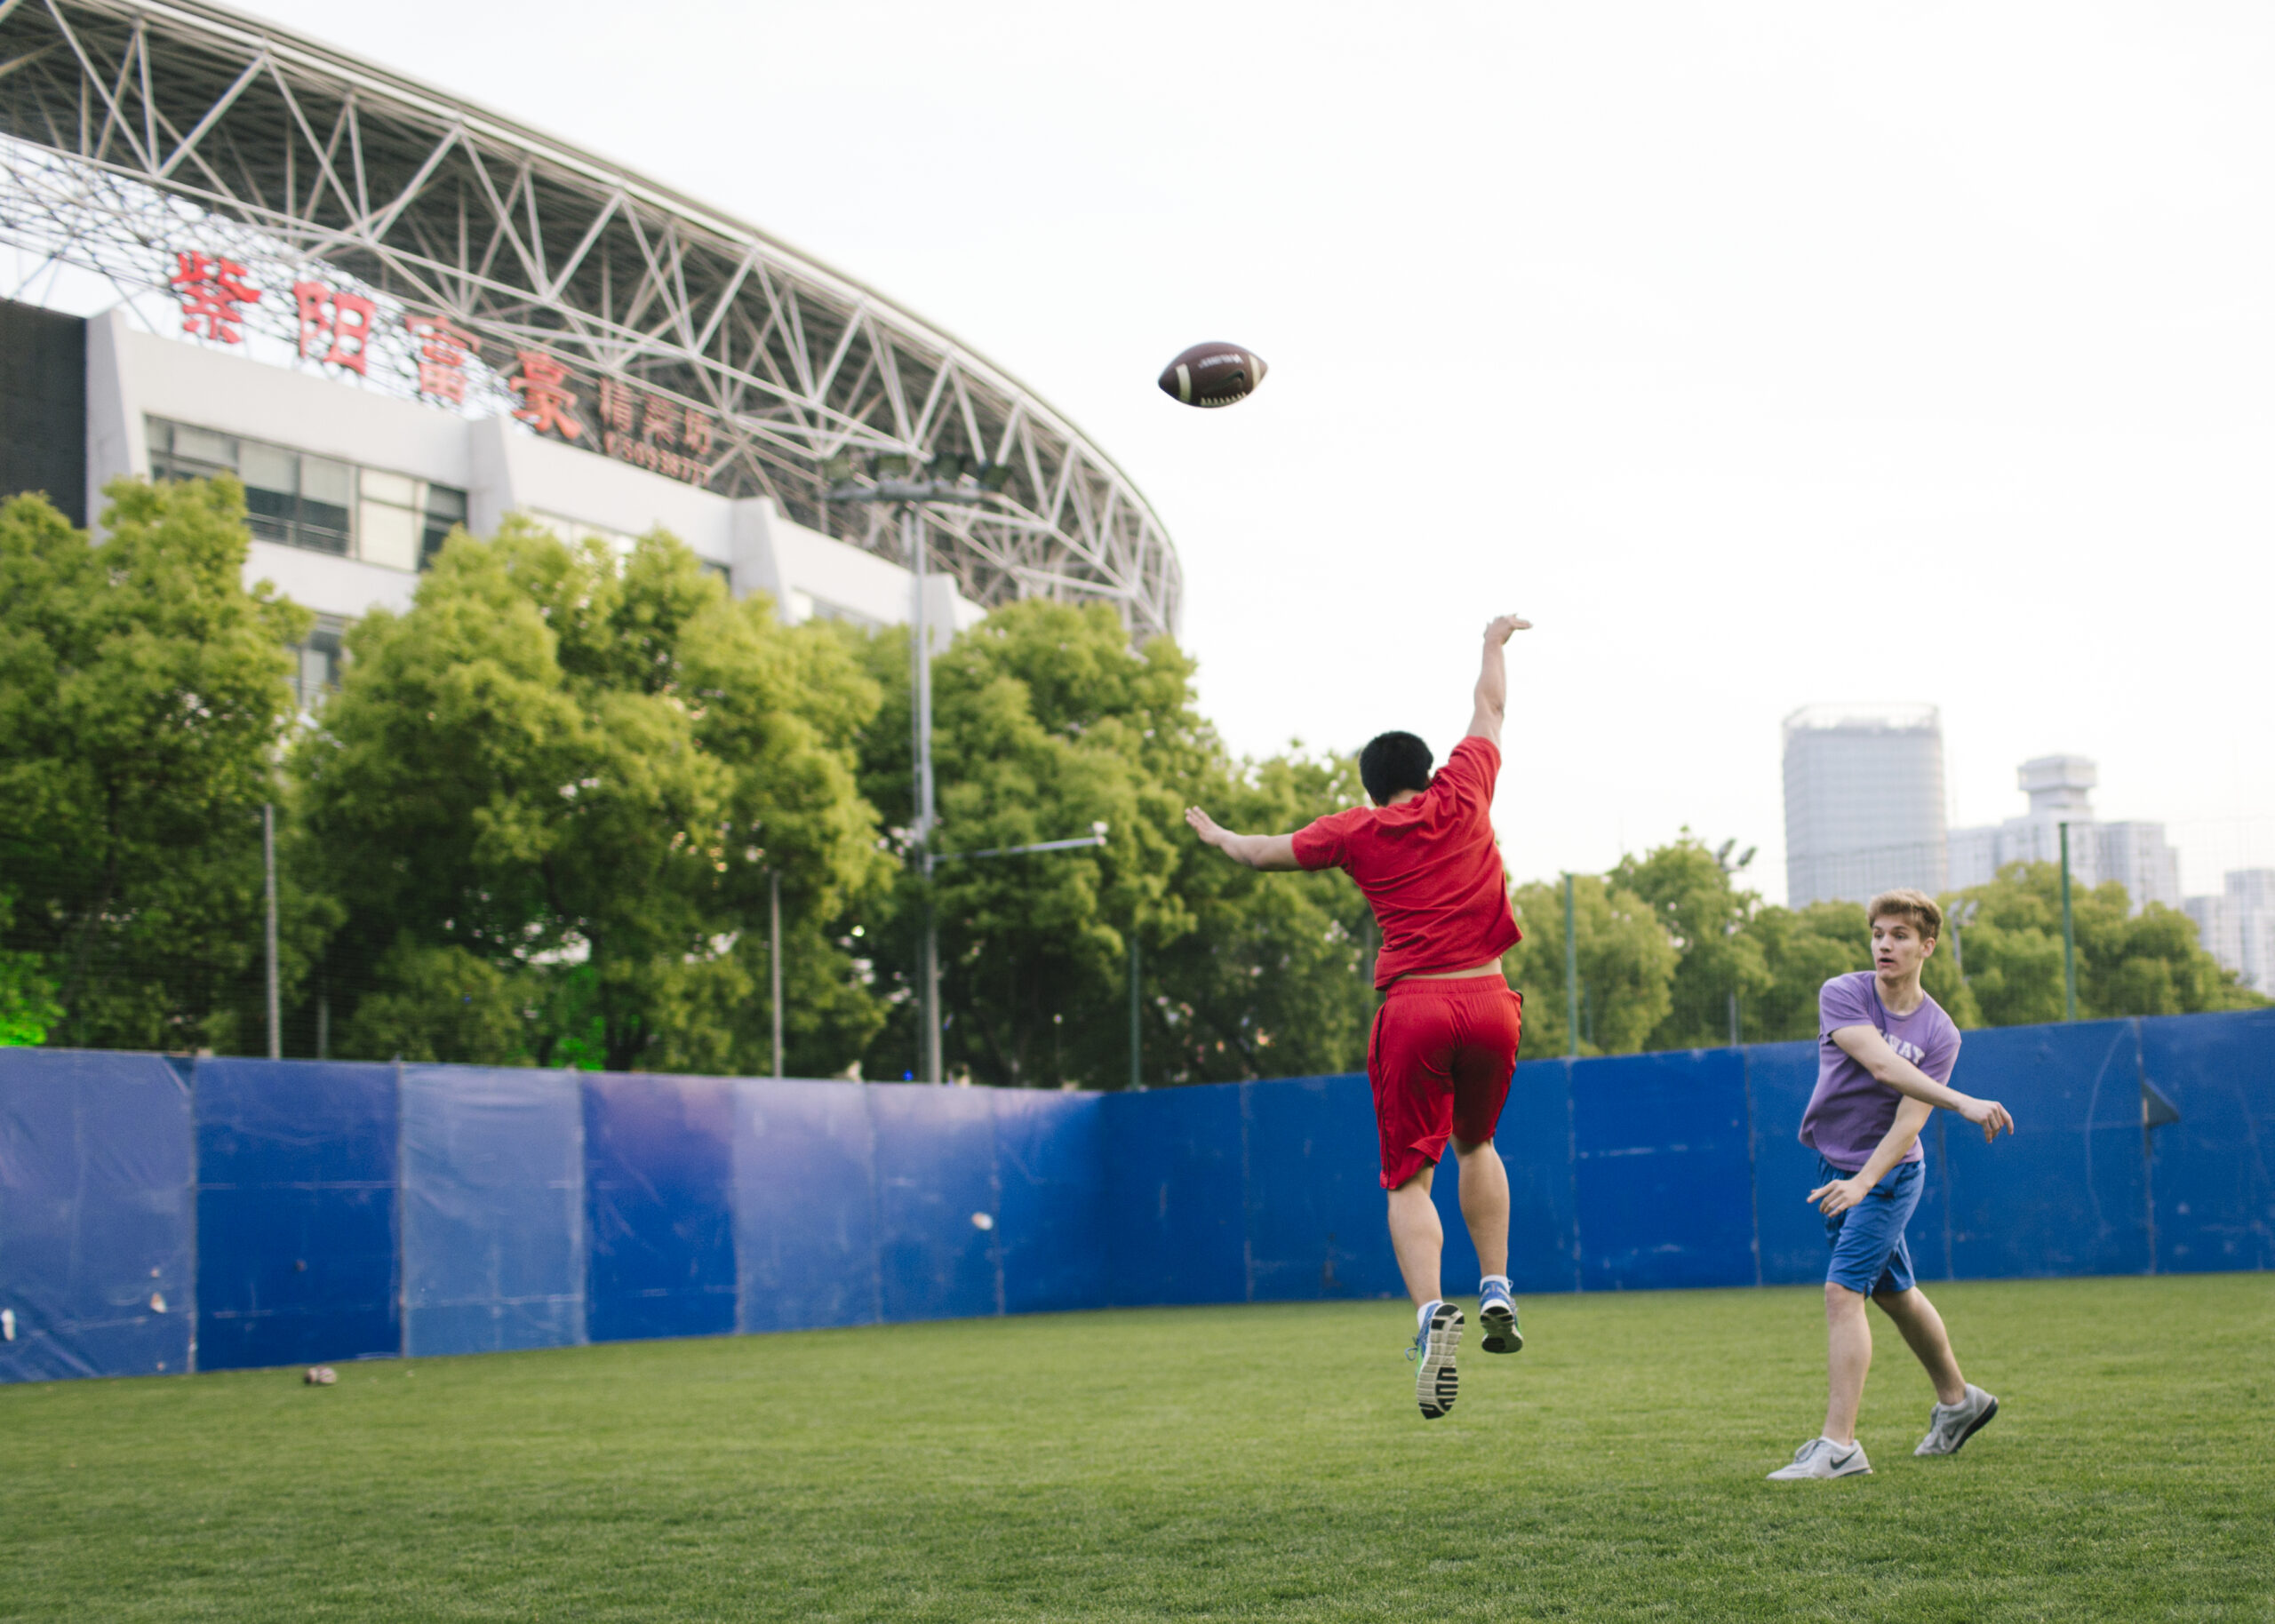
{"x": 893, "y": 484}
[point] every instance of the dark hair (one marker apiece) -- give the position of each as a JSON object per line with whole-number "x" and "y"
{"x": 1392, "y": 762}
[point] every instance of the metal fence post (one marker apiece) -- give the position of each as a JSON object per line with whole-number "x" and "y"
{"x": 269, "y": 876}
{"x": 774, "y": 956}
{"x": 1136, "y": 1053}
{"x": 2069, "y": 938}
{"x": 1571, "y": 976}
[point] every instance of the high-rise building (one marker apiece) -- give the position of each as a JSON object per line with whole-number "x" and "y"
{"x": 2060, "y": 788}
{"x": 1864, "y": 801}
{"x": 2238, "y": 926}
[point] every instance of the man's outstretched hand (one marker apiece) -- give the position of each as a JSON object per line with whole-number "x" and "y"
{"x": 1505, "y": 626}
{"x": 1988, "y": 1115}
{"x": 1259, "y": 851}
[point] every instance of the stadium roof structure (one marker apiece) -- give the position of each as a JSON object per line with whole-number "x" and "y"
{"x": 131, "y": 133}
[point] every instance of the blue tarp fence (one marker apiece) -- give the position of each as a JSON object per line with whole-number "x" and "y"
{"x": 164, "y": 1215}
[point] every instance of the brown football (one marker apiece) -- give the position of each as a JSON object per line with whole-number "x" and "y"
{"x": 1213, "y": 375}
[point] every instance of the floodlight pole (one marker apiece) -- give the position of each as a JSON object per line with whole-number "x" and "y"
{"x": 912, "y": 496}
{"x": 928, "y": 953}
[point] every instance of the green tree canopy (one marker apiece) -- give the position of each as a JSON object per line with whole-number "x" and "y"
{"x": 143, "y": 699}
{"x": 1045, "y": 722}
{"x": 2128, "y": 964}
{"x": 1626, "y": 965}
{"x": 550, "y": 794}
{"x": 1694, "y": 893}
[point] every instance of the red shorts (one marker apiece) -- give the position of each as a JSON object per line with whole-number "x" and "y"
{"x": 1440, "y": 1058}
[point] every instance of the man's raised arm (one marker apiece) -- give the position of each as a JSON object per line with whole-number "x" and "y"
{"x": 1262, "y": 851}
{"x": 1493, "y": 680}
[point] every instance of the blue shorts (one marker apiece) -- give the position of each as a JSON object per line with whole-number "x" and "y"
{"x": 1868, "y": 1250}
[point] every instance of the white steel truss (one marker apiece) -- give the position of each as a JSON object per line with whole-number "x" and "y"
{"x": 131, "y": 134}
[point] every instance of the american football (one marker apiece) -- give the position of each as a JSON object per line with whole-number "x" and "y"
{"x": 1212, "y": 375}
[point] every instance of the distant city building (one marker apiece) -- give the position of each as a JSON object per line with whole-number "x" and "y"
{"x": 1864, "y": 801}
{"x": 2060, "y": 788}
{"x": 2238, "y": 926}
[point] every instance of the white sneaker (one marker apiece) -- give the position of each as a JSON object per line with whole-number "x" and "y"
{"x": 1435, "y": 1342}
{"x": 1823, "y": 1458}
{"x": 1950, "y": 1425}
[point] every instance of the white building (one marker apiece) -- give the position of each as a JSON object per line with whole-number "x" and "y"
{"x": 2238, "y": 926}
{"x": 318, "y": 280}
{"x": 1864, "y": 801}
{"x": 2060, "y": 788}
{"x": 349, "y": 491}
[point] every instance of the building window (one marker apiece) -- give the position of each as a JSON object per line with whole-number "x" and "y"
{"x": 317, "y": 659}
{"x": 319, "y": 503}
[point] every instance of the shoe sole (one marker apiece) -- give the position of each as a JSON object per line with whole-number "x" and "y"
{"x": 1973, "y": 1427}
{"x": 1501, "y": 1333}
{"x": 1435, "y": 1383}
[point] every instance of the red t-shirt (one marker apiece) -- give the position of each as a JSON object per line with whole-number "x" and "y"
{"x": 1428, "y": 867}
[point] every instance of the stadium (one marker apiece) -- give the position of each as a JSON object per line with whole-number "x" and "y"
{"x": 330, "y": 1339}
{"x": 389, "y": 312}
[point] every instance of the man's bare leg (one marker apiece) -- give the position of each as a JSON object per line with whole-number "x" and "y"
{"x": 1849, "y": 1356}
{"x": 1930, "y": 1343}
{"x": 1485, "y": 1203}
{"x": 1417, "y": 1237}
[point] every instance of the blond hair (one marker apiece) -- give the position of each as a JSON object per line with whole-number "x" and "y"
{"x": 1917, "y": 907}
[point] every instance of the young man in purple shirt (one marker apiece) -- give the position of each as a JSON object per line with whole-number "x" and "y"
{"x": 1885, "y": 1053}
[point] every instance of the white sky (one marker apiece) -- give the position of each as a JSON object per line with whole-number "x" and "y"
{"x": 1790, "y": 353}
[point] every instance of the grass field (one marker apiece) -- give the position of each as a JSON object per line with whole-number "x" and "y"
{"x": 1261, "y": 1462}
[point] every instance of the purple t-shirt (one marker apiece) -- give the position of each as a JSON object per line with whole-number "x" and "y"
{"x": 1851, "y": 1110}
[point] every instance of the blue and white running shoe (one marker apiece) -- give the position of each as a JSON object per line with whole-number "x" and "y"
{"x": 1433, "y": 1353}
{"x": 1497, "y": 1311}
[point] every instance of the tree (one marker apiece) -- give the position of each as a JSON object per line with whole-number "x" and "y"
{"x": 551, "y": 794}
{"x": 1693, "y": 894}
{"x": 143, "y": 700}
{"x": 2149, "y": 963}
{"x": 1275, "y": 978}
{"x": 1047, "y": 721}
{"x": 1627, "y": 967}
{"x": 1804, "y": 948}
{"x": 27, "y": 1005}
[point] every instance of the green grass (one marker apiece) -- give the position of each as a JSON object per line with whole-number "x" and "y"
{"x": 1260, "y": 1462}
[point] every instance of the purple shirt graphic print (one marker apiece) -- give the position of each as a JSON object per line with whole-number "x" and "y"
{"x": 1851, "y": 1110}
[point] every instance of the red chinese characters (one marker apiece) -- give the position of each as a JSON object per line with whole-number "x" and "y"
{"x": 212, "y": 291}
{"x": 444, "y": 350}
{"x": 618, "y": 404}
{"x": 547, "y": 406}
{"x": 335, "y": 328}
{"x": 663, "y": 424}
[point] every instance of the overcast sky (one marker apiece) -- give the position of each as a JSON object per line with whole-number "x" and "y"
{"x": 1777, "y": 355}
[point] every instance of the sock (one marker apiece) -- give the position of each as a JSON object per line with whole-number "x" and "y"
{"x": 1422, "y": 1314}
{"x": 1500, "y": 1280}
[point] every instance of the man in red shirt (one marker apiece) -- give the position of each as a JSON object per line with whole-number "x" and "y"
{"x": 1445, "y": 1039}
